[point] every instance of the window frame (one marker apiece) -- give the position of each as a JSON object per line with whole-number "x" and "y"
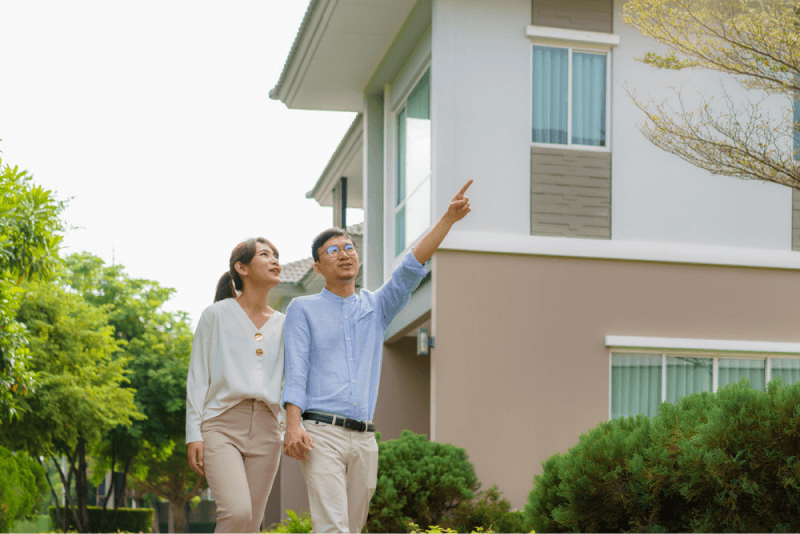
{"x": 573, "y": 41}
{"x": 396, "y": 99}
{"x": 715, "y": 356}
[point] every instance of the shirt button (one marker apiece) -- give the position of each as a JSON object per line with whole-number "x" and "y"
{"x": 345, "y": 317}
{"x": 348, "y": 339}
{"x": 354, "y": 381}
{"x": 259, "y": 352}
{"x": 259, "y": 336}
{"x": 354, "y": 404}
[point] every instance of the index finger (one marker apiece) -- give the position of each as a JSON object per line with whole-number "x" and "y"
{"x": 464, "y": 189}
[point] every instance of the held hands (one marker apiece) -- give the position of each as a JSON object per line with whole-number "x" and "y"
{"x": 459, "y": 206}
{"x": 196, "y": 449}
{"x": 297, "y": 442}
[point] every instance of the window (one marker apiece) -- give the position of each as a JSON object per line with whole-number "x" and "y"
{"x": 412, "y": 211}
{"x": 570, "y": 89}
{"x": 640, "y": 382}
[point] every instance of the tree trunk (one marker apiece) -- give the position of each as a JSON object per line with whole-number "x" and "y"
{"x": 156, "y": 519}
{"x": 177, "y": 512}
{"x": 82, "y": 488}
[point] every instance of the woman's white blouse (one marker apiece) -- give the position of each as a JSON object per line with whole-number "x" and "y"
{"x": 231, "y": 361}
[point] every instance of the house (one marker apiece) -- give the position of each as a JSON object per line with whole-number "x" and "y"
{"x": 596, "y": 276}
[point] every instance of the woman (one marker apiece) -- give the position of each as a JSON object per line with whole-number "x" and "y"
{"x": 234, "y": 419}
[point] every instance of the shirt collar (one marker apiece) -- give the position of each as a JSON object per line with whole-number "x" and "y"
{"x": 336, "y": 298}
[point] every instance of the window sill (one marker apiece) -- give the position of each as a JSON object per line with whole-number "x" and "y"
{"x": 572, "y": 37}
{"x": 586, "y": 148}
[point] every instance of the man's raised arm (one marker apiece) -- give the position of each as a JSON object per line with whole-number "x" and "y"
{"x": 457, "y": 210}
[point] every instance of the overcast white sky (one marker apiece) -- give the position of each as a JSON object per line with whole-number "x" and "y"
{"x": 154, "y": 119}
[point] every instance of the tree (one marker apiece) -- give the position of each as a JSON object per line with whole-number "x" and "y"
{"x": 78, "y": 397}
{"x": 758, "y": 44}
{"x": 157, "y": 346}
{"x": 29, "y": 240}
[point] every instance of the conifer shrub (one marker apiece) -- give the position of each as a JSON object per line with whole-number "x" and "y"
{"x": 724, "y": 462}
{"x": 419, "y": 481}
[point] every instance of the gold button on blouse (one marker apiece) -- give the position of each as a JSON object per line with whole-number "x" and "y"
{"x": 259, "y": 352}
{"x": 259, "y": 336}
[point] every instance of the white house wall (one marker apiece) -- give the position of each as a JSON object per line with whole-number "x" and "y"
{"x": 657, "y": 196}
{"x": 481, "y": 112}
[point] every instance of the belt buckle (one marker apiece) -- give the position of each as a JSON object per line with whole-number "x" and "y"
{"x": 355, "y": 424}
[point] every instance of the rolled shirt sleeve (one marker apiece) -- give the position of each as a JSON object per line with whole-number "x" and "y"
{"x": 297, "y": 339}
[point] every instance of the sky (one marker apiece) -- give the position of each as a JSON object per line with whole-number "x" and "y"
{"x": 153, "y": 120}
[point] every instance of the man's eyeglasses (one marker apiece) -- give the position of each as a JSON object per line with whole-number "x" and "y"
{"x": 333, "y": 250}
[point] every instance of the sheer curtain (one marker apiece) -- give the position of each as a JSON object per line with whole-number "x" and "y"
{"x": 686, "y": 375}
{"x": 588, "y": 99}
{"x": 732, "y": 369}
{"x": 787, "y": 368}
{"x": 635, "y": 384}
{"x": 550, "y": 94}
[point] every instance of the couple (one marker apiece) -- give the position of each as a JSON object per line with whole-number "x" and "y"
{"x": 240, "y": 398}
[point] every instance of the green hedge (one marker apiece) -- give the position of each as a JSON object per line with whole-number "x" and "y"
{"x": 128, "y": 519}
{"x": 724, "y": 462}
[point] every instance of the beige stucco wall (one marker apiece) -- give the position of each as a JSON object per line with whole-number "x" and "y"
{"x": 404, "y": 391}
{"x": 520, "y": 367}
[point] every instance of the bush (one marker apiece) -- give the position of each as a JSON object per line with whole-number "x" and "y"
{"x": 419, "y": 481}
{"x": 488, "y": 511}
{"x": 22, "y": 485}
{"x": 724, "y": 462}
{"x": 293, "y": 523}
{"x": 128, "y": 519}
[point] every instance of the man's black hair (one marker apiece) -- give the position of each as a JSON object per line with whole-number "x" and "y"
{"x": 323, "y": 237}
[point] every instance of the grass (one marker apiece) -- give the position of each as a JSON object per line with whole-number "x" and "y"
{"x": 41, "y": 523}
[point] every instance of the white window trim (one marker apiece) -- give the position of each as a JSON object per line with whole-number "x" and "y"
{"x": 574, "y": 41}
{"x": 713, "y": 349}
{"x": 717, "y": 345}
{"x": 395, "y": 97}
{"x": 563, "y": 36}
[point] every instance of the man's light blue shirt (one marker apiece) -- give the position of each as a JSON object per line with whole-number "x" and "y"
{"x": 334, "y": 346}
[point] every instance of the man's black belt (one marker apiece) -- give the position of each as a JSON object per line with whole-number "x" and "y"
{"x": 350, "y": 424}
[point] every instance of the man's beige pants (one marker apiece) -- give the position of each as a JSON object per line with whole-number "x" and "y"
{"x": 242, "y": 450}
{"x": 341, "y": 473}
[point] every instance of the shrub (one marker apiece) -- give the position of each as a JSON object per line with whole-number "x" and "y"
{"x": 22, "y": 485}
{"x": 724, "y": 462}
{"x": 419, "y": 481}
{"x": 293, "y": 523}
{"x": 489, "y": 511}
{"x": 128, "y": 519}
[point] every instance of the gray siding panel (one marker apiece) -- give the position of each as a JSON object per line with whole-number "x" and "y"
{"x": 795, "y": 219}
{"x": 586, "y": 15}
{"x": 570, "y": 193}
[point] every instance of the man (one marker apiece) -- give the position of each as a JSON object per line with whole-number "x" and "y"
{"x": 334, "y": 347}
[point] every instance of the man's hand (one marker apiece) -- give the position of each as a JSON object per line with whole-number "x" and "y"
{"x": 297, "y": 442}
{"x": 459, "y": 206}
{"x": 457, "y": 210}
{"x": 196, "y": 449}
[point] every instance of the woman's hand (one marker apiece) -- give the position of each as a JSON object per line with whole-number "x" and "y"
{"x": 196, "y": 449}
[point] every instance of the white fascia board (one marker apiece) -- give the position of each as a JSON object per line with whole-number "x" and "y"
{"x": 564, "y": 36}
{"x": 349, "y": 147}
{"x": 621, "y": 250}
{"x": 721, "y": 345}
{"x": 313, "y": 27}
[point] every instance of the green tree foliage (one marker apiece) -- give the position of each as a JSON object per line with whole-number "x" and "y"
{"x": 78, "y": 398}
{"x": 756, "y": 42}
{"x": 29, "y": 240}
{"x": 22, "y": 485}
{"x": 419, "y": 481}
{"x": 157, "y": 346}
{"x": 724, "y": 462}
